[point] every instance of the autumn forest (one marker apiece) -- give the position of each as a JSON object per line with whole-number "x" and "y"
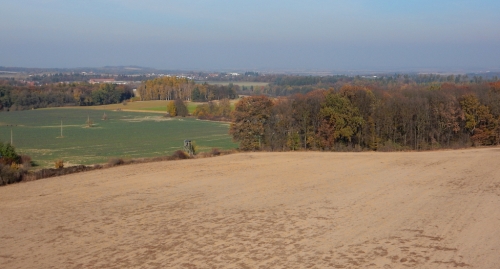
{"x": 367, "y": 117}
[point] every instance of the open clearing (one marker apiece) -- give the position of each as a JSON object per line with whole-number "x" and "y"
{"x": 262, "y": 210}
{"x": 155, "y": 106}
{"x": 158, "y": 106}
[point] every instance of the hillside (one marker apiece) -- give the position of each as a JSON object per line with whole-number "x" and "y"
{"x": 267, "y": 210}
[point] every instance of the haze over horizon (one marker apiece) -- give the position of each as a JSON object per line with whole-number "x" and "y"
{"x": 286, "y": 35}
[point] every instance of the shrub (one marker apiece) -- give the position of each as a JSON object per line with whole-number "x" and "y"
{"x": 45, "y": 173}
{"x": 180, "y": 108}
{"x": 171, "y": 109}
{"x": 195, "y": 147}
{"x": 26, "y": 161}
{"x": 179, "y": 155}
{"x": 215, "y": 152}
{"x": 10, "y": 174}
{"x": 115, "y": 162}
{"x": 15, "y": 166}
{"x": 59, "y": 164}
{"x": 8, "y": 154}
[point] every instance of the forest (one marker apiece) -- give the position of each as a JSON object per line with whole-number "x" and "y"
{"x": 172, "y": 88}
{"x": 372, "y": 116}
{"x": 16, "y": 96}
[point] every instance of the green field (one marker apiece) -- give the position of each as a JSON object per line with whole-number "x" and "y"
{"x": 156, "y": 106}
{"x": 153, "y": 106}
{"x": 190, "y": 106}
{"x": 125, "y": 134}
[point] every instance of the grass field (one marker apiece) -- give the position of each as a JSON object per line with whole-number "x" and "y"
{"x": 125, "y": 134}
{"x": 153, "y": 106}
{"x": 157, "y": 106}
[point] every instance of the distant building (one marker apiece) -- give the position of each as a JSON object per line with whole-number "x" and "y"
{"x": 108, "y": 80}
{"x": 101, "y": 80}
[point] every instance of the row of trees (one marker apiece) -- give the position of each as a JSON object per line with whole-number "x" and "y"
{"x": 172, "y": 88}
{"x": 286, "y": 85}
{"x": 302, "y": 80}
{"x": 206, "y": 92}
{"x": 357, "y": 117}
{"x": 214, "y": 110}
{"x": 166, "y": 88}
{"x": 15, "y": 97}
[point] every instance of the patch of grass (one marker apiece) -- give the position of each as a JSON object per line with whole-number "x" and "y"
{"x": 148, "y": 106}
{"x": 156, "y": 105}
{"x": 191, "y": 106}
{"x": 157, "y": 108}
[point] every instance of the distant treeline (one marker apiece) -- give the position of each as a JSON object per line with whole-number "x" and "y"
{"x": 16, "y": 95}
{"x": 106, "y": 70}
{"x": 20, "y": 97}
{"x": 172, "y": 88}
{"x": 286, "y": 85}
{"x": 358, "y": 117}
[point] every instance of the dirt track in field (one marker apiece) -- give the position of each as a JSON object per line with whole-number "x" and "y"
{"x": 263, "y": 210}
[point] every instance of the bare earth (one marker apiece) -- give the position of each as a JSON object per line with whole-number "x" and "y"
{"x": 263, "y": 210}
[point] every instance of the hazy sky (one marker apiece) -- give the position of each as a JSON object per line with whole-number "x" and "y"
{"x": 257, "y": 34}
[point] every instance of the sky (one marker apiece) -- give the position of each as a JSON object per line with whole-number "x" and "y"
{"x": 316, "y": 35}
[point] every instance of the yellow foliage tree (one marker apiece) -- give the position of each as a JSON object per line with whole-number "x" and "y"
{"x": 171, "y": 109}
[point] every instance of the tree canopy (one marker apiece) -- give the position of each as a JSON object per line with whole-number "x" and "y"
{"x": 356, "y": 117}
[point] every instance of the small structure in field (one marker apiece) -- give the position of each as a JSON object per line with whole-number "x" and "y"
{"x": 89, "y": 122}
{"x": 188, "y": 147}
{"x": 61, "y": 130}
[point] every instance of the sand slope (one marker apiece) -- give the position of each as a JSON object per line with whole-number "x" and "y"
{"x": 263, "y": 210}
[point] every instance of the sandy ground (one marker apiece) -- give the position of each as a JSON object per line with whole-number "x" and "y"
{"x": 263, "y": 210}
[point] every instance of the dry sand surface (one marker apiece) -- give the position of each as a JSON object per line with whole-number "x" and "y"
{"x": 262, "y": 210}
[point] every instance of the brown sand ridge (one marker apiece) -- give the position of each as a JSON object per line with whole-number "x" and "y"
{"x": 262, "y": 210}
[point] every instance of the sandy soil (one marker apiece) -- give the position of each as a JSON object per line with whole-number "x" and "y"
{"x": 263, "y": 210}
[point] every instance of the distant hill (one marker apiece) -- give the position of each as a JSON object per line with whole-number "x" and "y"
{"x": 113, "y": 70}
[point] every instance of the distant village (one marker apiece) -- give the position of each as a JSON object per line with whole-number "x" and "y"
{"x": 43, "y": 78}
